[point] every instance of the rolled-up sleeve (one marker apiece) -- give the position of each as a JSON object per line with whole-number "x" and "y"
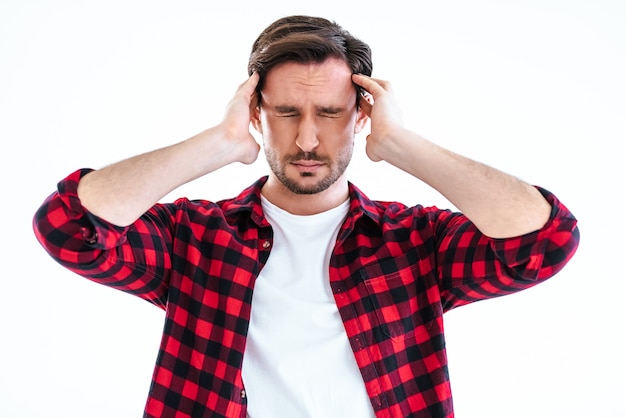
{"x": 543, "y": 253}
{"x": 473, "y": 266}
{"x": 100, "y": 251}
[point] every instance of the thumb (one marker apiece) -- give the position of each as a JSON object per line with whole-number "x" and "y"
{"x": 368, "y": 149}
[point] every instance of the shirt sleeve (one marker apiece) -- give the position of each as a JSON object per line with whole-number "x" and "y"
{"x": 134, "y": 259}
{"x": 474, "y": 267}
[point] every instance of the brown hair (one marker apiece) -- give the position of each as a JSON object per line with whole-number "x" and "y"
{"x": 306, "y": 39}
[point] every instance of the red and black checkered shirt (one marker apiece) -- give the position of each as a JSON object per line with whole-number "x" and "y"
{"x": 394, "y": 271}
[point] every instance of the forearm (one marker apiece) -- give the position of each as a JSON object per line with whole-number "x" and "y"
{"x": 499, "y": 204}
{"x": 122, "y": 192}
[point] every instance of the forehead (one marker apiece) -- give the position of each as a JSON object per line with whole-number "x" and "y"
{"x": 293, "y": 82}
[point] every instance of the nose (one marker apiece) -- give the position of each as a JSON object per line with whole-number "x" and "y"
{"x": 306, "y": 139}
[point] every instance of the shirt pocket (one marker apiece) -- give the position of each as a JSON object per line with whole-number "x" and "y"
{"x": 405, "y": 305}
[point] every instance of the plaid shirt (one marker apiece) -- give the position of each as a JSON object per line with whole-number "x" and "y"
{"x": 394, "y": 271}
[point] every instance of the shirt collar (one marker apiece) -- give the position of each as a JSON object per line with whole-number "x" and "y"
{"x": 249, "y": 200}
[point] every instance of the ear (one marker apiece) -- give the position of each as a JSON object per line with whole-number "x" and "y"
{"x": 361, "y": 120}
{"x": 255, "y": 118}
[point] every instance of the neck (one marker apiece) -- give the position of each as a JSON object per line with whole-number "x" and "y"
{"x": 305, "y": 204}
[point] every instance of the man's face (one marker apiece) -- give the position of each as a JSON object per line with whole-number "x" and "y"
{"x": 308, "y": 118}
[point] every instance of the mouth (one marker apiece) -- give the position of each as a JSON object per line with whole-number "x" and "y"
{"x": 307, "y": 167}
{"x": 307, "y": 163}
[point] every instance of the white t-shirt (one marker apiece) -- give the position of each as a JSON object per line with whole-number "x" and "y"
{"x": 298, "y": 361}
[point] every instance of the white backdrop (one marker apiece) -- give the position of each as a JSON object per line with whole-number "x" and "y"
{"x": 535, "y": 88}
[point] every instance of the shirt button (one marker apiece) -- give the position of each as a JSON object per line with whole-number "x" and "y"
{"x": 266, "y": 244}
{"x": 243, "y": 393}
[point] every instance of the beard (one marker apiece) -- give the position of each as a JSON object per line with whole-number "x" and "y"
{"x": 337, "y": 168}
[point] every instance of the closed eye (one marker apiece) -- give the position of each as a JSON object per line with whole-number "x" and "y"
{"x": 330, "y": 112}
{"x": 286, "y": 111}
{"x": 326, "y": 112}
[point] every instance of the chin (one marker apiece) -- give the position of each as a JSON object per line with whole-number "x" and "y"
{"x": 307, "y": 184}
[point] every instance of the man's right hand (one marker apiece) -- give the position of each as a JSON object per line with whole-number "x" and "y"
{"x": 236, "y": 123}
{"x": 121, "y": 192}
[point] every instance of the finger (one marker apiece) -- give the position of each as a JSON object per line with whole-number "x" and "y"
{"x": 248, "y": 87}
{"x": 254, "y": 102}
{"x": 384, "y": 84}
{"x": 363, "y": 82}
{"x": 374, "y": 86}
{"x": 253, "y": 80}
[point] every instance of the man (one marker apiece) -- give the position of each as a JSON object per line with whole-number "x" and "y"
{"x": 300, "y": 296}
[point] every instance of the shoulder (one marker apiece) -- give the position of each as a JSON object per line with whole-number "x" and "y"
{"x": 246, "y": 204}
{"x": 394, "y": 212}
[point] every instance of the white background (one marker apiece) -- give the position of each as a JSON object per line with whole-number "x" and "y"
{"x": 536, "y": 88}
